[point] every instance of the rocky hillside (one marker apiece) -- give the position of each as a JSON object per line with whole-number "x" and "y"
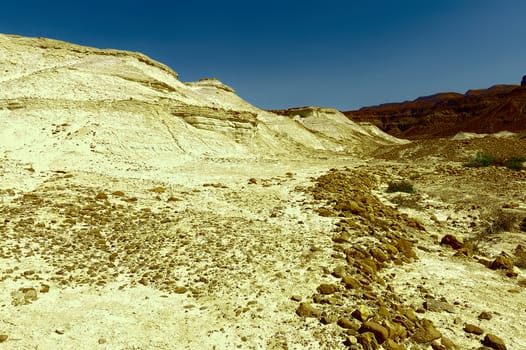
{"x": 499, "y": 108}
{"x": 64, "y": 106}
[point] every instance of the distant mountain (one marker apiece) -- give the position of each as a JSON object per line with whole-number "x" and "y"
{"x": 499, "y": 108}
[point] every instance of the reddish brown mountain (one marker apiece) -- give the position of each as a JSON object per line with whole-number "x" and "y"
{"x": 499, "y": 108}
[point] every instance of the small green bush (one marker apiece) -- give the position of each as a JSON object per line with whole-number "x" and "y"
{"x": 400, "y": 186}
{"x": 482, "y": 160}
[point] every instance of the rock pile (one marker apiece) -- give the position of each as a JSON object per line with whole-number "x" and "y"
{"x": 369, "y": 237}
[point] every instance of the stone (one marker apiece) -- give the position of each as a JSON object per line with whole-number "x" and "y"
{"x": 328, "y": 319}
{"x": 3, "y": 337}
{"x": 502, "y": 262}
{"x": 435, "y": 345}
{"x": 362, "y": 313}
{"x": 448, "y": 344}
{"x": 473, "y": 329}
{"x": 180, "y": 290}
{"x": 392, "y": 345}
{"x": 296, "y": 298}
{"x": 494, "y": 342}
{"x": 307, "y": 310}
{"x": 347, "y": 324}
{"x": 426, "y": 333}
{"x": 434, "y": 305}
{"x": 396, "y": 330}
{"x": 326, "y": 288}
{"x": 485, "y": 316}
{"x": 351, "y": 282}
{"x": 406, "y": 247}
{"x": 452, "y": 241}
{"x": 380, "y": 332}
{"x": 368, "y": 341}
{"x": 378, "y": 254}
{"x": 339, "y": 271}
{"x": 101, "y": 196}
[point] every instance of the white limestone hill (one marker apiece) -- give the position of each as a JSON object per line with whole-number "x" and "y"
{"x": 65, "y": 106}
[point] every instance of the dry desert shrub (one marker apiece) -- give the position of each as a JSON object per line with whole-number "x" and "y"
{"x": 520, "y": 257}
{"x": 497, "y": 220}
{"x": 400, "y": 186}
{"x": 406, "y": 202}
{"x": 501, "y": 221}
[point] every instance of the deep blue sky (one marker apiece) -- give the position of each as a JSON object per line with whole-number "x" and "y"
{"x": 279, "y": 54}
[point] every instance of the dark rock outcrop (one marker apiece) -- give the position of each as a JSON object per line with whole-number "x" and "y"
{"x": 499, "y": 108}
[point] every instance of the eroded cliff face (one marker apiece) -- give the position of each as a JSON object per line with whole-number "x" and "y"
{"x": 499, "y": 108}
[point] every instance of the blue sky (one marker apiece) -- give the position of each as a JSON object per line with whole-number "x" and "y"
{"x": 280, "y": 54}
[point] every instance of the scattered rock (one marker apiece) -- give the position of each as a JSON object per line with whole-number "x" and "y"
{"x": 347, "y": 324}
{"x": 362, "y": 313}
{"x": 368, "y": 341}
{"x": 351, "y": 282}
{"x": 307, "y": 310}
{"x": 101, "y": 196}
{"x": 494, "y": 342}
{"x": 434, "y": 305}
{"x": 158, "y": 189}
{"x": 296, "y": 298}
{"x": 502, "y": 262}
{"x": 392, "y": 345}
{"x": 471, "y": 328}
{"x": 448, "y": 344}
{"x": 426, "y": 333}
{"x": 485, "y": 316}
{"x": 380, "y": 332}
{"x": 325, "y": 288}
{"x": 180, "y": 290}
{"x": 328, "y": 319}
{"x": 3, "y": 337}
{"x": 451, "y": 241}
{"x": 435, "y": 345}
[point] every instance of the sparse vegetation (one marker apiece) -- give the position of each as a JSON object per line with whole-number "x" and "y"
{"x": 515, "y": 163}
{"x": 400, "y": 186}
{"x": 482, "y": 159}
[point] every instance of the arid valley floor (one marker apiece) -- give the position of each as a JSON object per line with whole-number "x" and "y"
{"x": 186, "y": 237}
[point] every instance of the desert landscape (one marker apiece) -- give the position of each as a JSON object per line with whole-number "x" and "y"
{"x": 141, "y": 212}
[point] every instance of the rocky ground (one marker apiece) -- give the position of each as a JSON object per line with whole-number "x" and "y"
{"x": 271, "y": 254}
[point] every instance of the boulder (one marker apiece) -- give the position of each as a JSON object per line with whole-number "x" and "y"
{"x": 494, "y": 342}
{"x": 307, "y": 310}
